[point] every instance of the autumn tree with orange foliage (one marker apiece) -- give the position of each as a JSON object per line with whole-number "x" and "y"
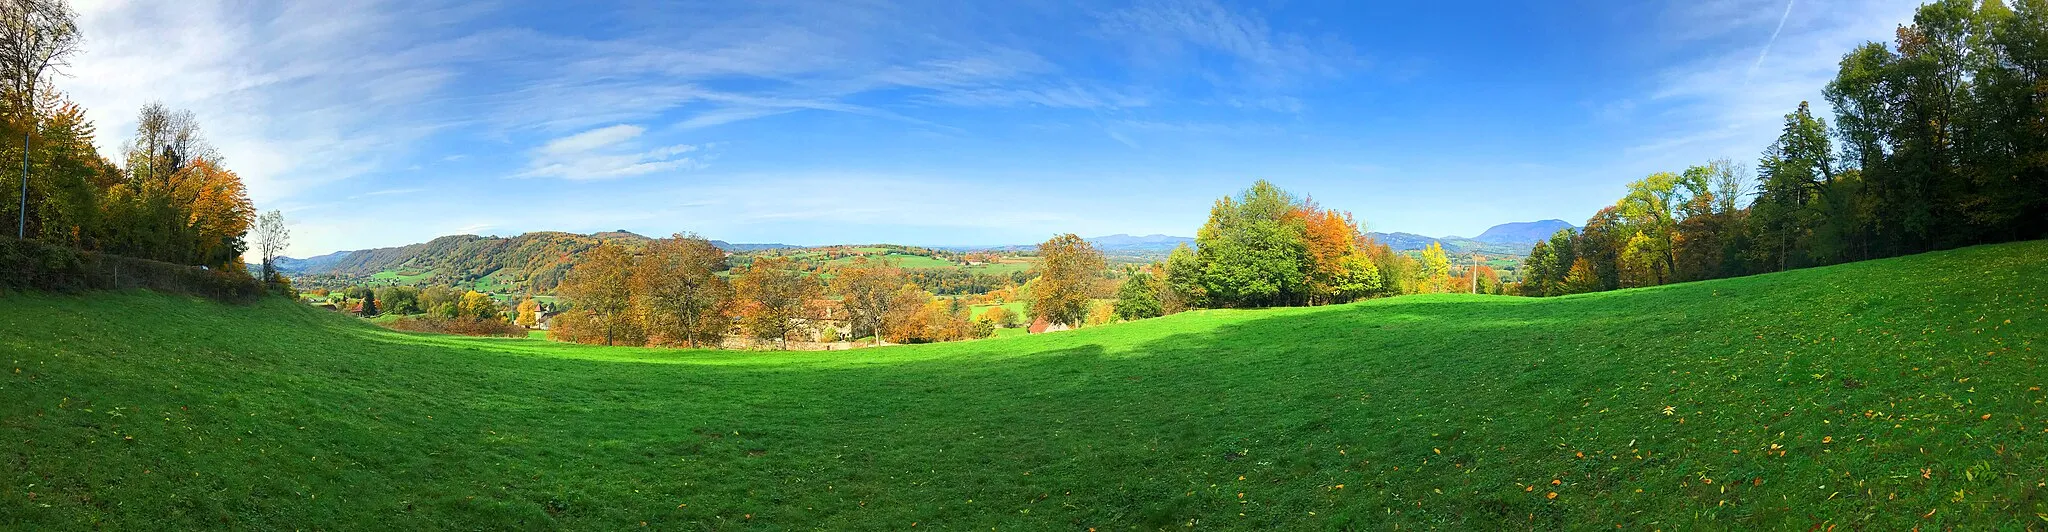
{"x": 772, "y": 294}
{"x": 870, "y": 291}
{"x": 679, "y": 294}
{"x": 1000, "y": 317}
{"x": 1338, "y": 267}
{"x": 221, "y": 213}
{"x": 600, "y": 290}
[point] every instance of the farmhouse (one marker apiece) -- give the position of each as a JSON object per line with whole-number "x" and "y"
{"x": 1039, "y": 325}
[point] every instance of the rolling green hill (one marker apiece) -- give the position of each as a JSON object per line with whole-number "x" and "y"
{"x": 1883, "y": 395}
{"x": 531, "y": 262}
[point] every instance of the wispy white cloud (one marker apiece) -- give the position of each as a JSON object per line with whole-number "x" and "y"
{"x": 608, "y": 152}
{"x": 1730, "y": 103}
{"x": 315, "y": 100}
{"x": 1169, "y": 34}
{"x": 388, "y": 192}
{"x": 1068, "y": 96}
{"x": 474, "y": 228}
{"x": 294, "y": 94}
{"x": 592, "y": 140}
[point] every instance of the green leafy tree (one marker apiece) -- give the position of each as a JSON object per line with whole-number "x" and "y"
{"x": 1537, "y": 269}
{"x": 1253, "y": 250}
{"x": 1580, "y": 278}
{"x": 400, "y": 299}
{"x": 1138, "y": 298}
{"x": 1184, "y": 281}
{"x": 1357, "y": 277}
{"x": 1797, "y": 170}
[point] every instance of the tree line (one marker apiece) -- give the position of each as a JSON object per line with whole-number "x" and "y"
{"x": 1940, "y": 140}
{"x": 681, "y": 291}
{"x": 169, "y": 197}
{"x": 1268, "y": 247}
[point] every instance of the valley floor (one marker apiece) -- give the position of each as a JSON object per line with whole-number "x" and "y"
{"x": 1888, "y": 394}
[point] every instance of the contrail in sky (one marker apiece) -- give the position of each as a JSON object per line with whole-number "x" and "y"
{"x": 1767, "y": 44}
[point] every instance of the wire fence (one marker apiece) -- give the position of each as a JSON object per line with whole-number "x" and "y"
{"x": 31, "y": 265}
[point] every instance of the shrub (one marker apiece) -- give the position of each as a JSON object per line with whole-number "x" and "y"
{"x": 31, "y": 265}
{"x": 461, "y": 326}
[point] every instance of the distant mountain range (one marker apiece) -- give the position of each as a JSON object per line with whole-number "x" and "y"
{"x": 1504, "y": 239}
{"x": 1128, "y": 242}
{"x": 1523, "y": 232}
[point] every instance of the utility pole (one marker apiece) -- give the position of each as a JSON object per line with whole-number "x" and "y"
{"x": 1475, "y": 272}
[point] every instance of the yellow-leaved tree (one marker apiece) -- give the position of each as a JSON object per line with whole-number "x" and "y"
{"x": 528, "y": 313}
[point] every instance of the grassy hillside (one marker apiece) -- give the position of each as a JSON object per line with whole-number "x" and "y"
{"x": 1887, "y": 395}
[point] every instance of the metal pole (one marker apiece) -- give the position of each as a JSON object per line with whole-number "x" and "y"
{"x": 21, "y": 225}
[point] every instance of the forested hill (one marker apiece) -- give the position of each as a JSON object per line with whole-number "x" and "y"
{"x": 1523, "y": 232}
{"x": 532, "y": 261}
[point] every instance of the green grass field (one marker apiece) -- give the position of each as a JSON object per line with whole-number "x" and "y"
{"x": 1003, "y": 268}
{"x": 901, "y": 261}
{"x": 401, "y": 278}
{"x": 1881, "y": 395}
{"x": 1017, "y": 308}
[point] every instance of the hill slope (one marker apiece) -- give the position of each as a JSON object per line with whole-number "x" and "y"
{"x": 530, "y": 262}
{"x": 1522, "y": 233}
{"x": 1882, "y": 395}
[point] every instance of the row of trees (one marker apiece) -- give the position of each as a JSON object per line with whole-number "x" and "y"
{"x": 671, "y": 294}
{"x": 680, "y": 291}
{"x": 1938, "y": 142}
{"x": 1266, "y": 247}
{"x": 169, "y": 198}
{"x": 1668, "y": 228}
{"x": 1262, "y": 247}
{"x": 435, "y": 301}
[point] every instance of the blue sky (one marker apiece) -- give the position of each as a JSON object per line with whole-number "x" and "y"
{"x": 376, "y": 124}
